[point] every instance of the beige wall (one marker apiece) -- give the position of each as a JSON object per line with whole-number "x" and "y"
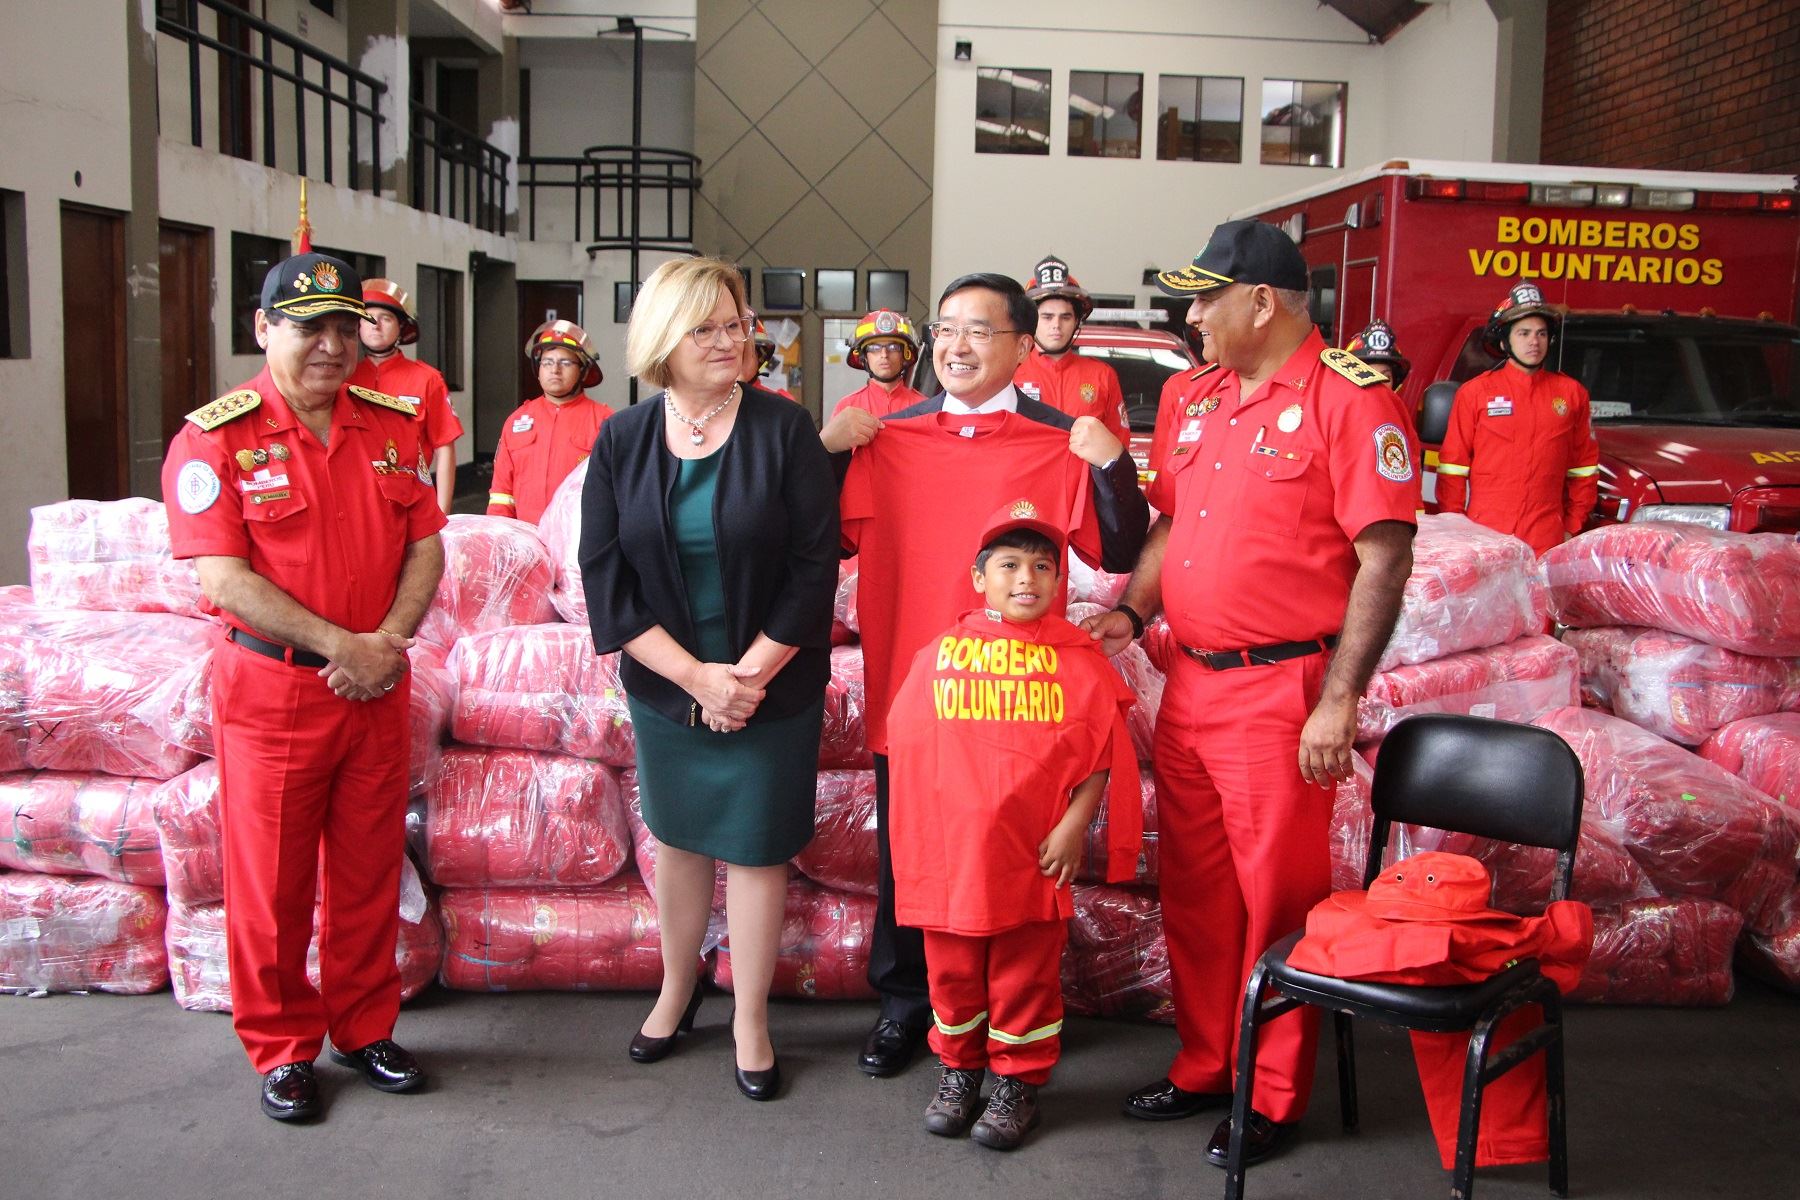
{"x": 814, "y": 123}
{"x": 1428, "y": 92}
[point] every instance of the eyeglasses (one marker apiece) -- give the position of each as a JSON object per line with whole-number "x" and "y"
{"x": 979, "y": 335}
{"x": 558, "y": 364}
{"x": 736, "y": 332}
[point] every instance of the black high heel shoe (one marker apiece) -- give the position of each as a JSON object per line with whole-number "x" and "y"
{"x": 654, "y": 1049}
{"x": 760, "y": 1085}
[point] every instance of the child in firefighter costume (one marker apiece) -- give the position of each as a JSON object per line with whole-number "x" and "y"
{"x": 1002, "y": 739}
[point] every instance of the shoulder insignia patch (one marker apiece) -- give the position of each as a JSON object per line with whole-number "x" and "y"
{"x": 225, "y": 408}
{"x": 384, "y": 400}
{"x": 1351, "y": 367}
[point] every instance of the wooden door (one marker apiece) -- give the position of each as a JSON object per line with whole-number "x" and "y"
{"x": 94, "y": 413}
{"x": 541, "y": 301}
{"x": 187, "y": 322}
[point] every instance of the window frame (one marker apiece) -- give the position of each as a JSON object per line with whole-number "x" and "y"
{"x": 1332, "y": 161}
{"x": 1014, "y": 137}
{"x": 1098, "y": 137}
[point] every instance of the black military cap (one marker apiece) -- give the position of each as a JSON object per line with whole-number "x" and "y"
{"x": 310, "y": 285}
{"x": 1240, "y": 252}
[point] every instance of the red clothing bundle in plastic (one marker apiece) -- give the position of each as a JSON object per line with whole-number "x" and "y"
{"x": 824, "y": 952}
{"x": 497, "y": 572}
{"x": 1674, "y": 952}
{"x": 643, "y": 849}
{"x": 1737, "y": 590}
{"x": 71, "y": 823}
{"x": 109, "y": 554}
{"x": 201, "y": 974}
{"x": 1677, "y": 687}
{"x": 1144, "y": 677}
{"x": 1471, "y": 586}
{"x": 843, "y": 608}
{"x": 61, "y": 933}
{"x": 186, "y": 809}
{"x": 601, "y": 938}
{"x": 1762, "y": 751}
{"x": 1099, "y": 837}
{"x": 1695, "y": 829}
{"x": 842, "y": 853}
{"x": 517, "y": 818}
{"x": 541, "y": 687}
{"x": 433, "y": 695}
{"x": 1091, "y": 585}
{"x": 1116, "y": 963}
{"x": 560, "y": 529}
{"x": 1516, "y": 681}
{"x": 1352, "y": 821}
{"x": 844, "y": 742}
{"x": 85, "y": 685}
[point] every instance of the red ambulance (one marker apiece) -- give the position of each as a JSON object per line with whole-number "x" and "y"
{"x": 1679, "y": 289}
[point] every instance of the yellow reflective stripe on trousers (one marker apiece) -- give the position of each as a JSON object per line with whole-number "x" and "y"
{"x": 500, "y": 498}
{"x": 1024, "y": 1039}
{"x": 958, "y": 1030}
{"x": 1583, "y": 472}
{"x": 1445, "y": 468}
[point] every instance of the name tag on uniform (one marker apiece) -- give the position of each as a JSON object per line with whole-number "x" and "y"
{"x": 522, "y": 425}
{"x": 1030, "y": 389}
{"x": 263, "y": 482}
{"x": 1190, "y": 432}
{"x": 1500, "y": 406}
{"x": 414, "y": 399}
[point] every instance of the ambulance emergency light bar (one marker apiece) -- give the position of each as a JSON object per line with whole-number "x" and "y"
{"x": 1604, "y": 195}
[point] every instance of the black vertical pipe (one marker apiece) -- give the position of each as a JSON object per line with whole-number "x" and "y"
{"x": 637, "y": 162}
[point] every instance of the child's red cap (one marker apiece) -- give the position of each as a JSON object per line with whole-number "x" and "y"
{"x": 1022, "y": 514}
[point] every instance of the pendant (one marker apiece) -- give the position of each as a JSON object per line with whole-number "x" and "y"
{"x": 697, "y": 437}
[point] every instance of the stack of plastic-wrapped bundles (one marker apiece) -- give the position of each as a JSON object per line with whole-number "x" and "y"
{"x": 1690, "y": 637}
{"x": 105, "y": 728}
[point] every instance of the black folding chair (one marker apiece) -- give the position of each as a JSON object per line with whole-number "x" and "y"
{"x": 1494, "y": 779}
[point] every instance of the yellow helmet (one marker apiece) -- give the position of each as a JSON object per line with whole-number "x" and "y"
{"x": 882, "y": 325}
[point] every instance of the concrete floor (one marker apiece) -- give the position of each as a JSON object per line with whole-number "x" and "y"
{"x": 532, "y": 1095}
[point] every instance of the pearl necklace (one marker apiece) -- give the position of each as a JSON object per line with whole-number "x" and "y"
{"x": 698, "y": 427}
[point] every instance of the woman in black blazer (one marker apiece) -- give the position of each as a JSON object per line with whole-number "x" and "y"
{"x": 709, "y": 548}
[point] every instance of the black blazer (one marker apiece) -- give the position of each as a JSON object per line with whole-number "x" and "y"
{"x": 1119, "y": 507}
{"x": 775, "y": 516}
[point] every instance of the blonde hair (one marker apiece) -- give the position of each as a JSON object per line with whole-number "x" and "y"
{"x": 679, "y": 295}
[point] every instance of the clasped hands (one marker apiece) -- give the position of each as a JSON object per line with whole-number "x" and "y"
{"x": 727, "y": 694}
{"x": 366, "y": 666}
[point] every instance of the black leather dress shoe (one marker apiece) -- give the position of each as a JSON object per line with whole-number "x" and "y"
{"x": 291, "y": 1093}
{"x": 1263, "y": 1139}
{"x": 889, "y": 1047}
{"x": 384, "y": 1065}
{"x": 1163, "y": 1101}
{"x": 760, "y": 1085}
{"x": 647, "y": 1049}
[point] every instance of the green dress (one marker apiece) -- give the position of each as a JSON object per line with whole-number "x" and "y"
{"x": 743, "y": 797}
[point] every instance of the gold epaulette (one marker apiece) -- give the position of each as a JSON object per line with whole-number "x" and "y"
{"x": 1351, "y": 367}
{"x": 1211, "y": 366}
{"x": 225, "y": 408}
{"x": 384, "y": 400}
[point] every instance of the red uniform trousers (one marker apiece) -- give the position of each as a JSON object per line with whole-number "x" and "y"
{"x": 1245, "y": 856}
{"x": 301, "y": 769}
{"x": 996, "y": 1000}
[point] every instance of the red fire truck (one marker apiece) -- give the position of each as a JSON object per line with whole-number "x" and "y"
{"x": 1679, "y": 289}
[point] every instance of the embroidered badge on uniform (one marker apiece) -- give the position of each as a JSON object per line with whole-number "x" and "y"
{"x": 196, "y": 487}
{"x": 1089, "y": 393}
{"x": 1560, "y": 407}
{"x": 1392, "y": 458}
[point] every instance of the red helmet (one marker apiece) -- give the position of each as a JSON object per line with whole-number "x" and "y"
{"x": 765, "y": 347}
{"x": 1376, "y": 344}
{"x": 1052, "y": 281}
{"x": 385, "y": 293}
{"x": 882, "y": 325}
{"x": 566, "y": 335}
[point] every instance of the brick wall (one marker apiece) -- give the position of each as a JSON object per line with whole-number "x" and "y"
{"x": 1674, "y": 84}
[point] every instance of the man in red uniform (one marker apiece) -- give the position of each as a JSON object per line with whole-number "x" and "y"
{"x": 1520, "y": 452}
{"x": 1376, "y": 347}
{"x": 1055, "y": 374}
{"x": 884, "y": 346}
{"x": 304, "y": 505}
{"x": 392, "y": 324}
{"x": 546, "y": 438}
{"x": 1288, "y": 497}
{"x": 980, "y": 443}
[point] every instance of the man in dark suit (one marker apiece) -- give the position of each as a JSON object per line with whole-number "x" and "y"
{"x": 982, "y": 333}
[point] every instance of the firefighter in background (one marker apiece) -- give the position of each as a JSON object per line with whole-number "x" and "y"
{"x": 546, "y": 438}
{"x": 392, "y": 323}
{"x": 1377, "y": 347}
{"x": 762, "y": 344}
{"x": 886, "y": 347}
{"x": 1520, "y": 454}
{"x": 1054, "y": 373}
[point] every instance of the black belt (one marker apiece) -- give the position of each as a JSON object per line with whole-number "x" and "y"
{"x": 1256, "y": 656}
{"x": 275, "y": 650}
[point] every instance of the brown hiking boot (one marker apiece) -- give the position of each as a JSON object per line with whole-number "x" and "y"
{"x": 957, "y": 1101}
{"x": 1012, "y": 1112}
